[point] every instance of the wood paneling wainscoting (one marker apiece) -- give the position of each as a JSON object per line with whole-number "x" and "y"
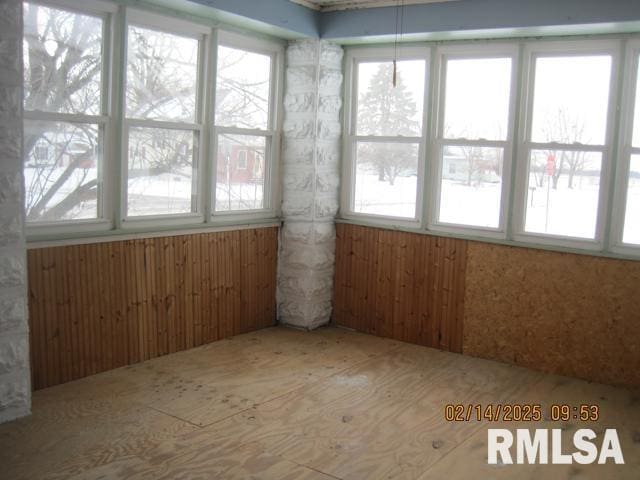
{"x": 400, "y": 285}
{"x": 563, "y": 313}
{"x": 95, "y": 307}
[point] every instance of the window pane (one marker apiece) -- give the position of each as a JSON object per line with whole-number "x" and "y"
{"x": 161, "y": 176}
{"x": 632, "y": 216}
{"x": 242, "y": 89}
{"x": 387, "y": 110}
{"x": 571, "y": 99}
{"x": 386, "y": 179}
{"x": 636, "y": 122}
{"x": 477, "y": 98}
{"x": 61, "y": 171}
{"x": 62, "y": 61}
{"x": 240, "y": 172}
{"x": 471, "y": 186}
{"x": 562, "y": 198}
{"x": 162, "y": 74}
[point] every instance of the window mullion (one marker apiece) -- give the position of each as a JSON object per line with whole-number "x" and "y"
{"x": 64, "y": 117}
{"x": 207, "y": 140}
{"x": 387, "y": 139}
{"x": 573, "y": 147}
{"x": 169, "y": 125}
{"x": 513, "y": 213}
{"x": 430, "y": 118}
{"x": 611, "y": 157}
{"x": 243, "y": 131}
{"x": 118, "y": 164}
{"x": 463, "y": 142}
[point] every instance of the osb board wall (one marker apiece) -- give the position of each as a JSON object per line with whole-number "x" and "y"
{"x": 400, "y": 285}
{"x": 557, "y": 312}
{"x": 101, "y": 306}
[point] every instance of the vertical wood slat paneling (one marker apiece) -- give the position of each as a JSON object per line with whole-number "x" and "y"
{"x": 400, "y": 285}
{"x": 100, "y": 306}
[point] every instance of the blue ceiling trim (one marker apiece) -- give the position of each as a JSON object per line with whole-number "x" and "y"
{"x": 435, "y": 19}
{"x": 477, "y": 15}
{"x": 282, "y": 14}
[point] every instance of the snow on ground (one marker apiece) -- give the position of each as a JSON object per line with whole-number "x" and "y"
{"x": 238, "y": 196}
{"x": 36, "y": 184}
{"x": 477, "y": 205}
{"x": 632, "y": 219}
{"x": 570, "y": 212}
{"x": 381, "y": 198}
{"x": 167, "y": 193}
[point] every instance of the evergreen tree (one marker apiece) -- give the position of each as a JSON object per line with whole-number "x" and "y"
{"x": 388, "y": 110}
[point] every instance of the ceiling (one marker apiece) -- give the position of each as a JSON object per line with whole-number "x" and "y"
{"x": 330, "y": 5}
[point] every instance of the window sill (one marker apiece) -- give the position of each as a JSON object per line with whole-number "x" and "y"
{"x": 613, "y": 253}
{"x": 78, "y": 238}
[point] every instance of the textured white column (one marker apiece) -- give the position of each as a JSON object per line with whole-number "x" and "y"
{"x": 311, "y": 157}
{"x": 15, "y": 385}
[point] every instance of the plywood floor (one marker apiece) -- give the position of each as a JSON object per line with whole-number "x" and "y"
{"x": 286, "y": 404}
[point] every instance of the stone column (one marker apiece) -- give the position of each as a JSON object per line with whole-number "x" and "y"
{"x": 311, "y": 162}
{"x": 15, "y": 385}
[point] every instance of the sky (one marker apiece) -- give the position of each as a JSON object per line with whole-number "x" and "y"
{"x": 478, "y": 92}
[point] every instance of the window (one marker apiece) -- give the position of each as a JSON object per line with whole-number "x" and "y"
{"x": 183, "y": 130}
{"x": 242, "y": 160}
{"x": 41, "y": 153}
{"x": 559, "y": 97}
{"x": 632, "y": 213}
{"x": 65, "y": 116}
{"x": 566, "y": 149}
{"x": 629, "y": 177}
{"x": 245, "y": 121}
{"x": 473, "y": 139}
{"x": 386, "y": 134}
{"x": 163, "y": 124}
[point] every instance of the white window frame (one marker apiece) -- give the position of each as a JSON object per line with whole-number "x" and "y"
{"x": 201, "y": 33}
{"x": 103, "y": 122}
{"x": 350, "y": 140}
{"x": 271, "y": 193}
{"x": 525, "y": 145}
{"x": 464, "y": 52}
{"x": 114, "y": 126}
{"x": 626, "y": 149}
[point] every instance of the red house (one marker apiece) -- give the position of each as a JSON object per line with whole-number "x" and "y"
{"x": 240, "y": 164}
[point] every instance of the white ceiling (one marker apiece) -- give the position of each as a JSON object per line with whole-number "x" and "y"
{"x": 328, "y": 5}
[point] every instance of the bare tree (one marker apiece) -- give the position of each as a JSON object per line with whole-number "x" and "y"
{"x": 480, "y": 162}
{"x": 480, "y": 165}
{"x": 564, "y": 129}
{"x": 63, "y": 71}
{"x": 242, "y": 95}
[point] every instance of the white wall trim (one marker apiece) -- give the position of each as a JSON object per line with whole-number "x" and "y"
{"x": 120, "y": 236}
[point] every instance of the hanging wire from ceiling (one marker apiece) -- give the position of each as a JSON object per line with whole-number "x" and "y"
{"x": 399, "y": 22}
